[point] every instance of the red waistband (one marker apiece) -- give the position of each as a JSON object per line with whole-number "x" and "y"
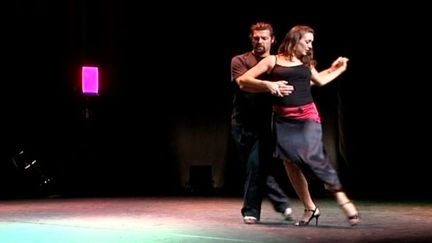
{"x": 304, "y": 112}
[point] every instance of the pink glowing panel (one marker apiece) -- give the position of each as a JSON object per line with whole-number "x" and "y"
{"x": 90, "y": 80}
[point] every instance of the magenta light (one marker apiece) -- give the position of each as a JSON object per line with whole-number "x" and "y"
{"x": 90, "y": 80}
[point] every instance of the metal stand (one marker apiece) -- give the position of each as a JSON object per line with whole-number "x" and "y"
{"x": 31, "y": 170}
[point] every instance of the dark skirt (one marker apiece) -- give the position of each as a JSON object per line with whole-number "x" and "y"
{"x": 300, "y": 141}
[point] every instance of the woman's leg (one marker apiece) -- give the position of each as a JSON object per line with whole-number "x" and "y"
{"x": 300, "y": 185}
{"x": 348, "y": 207}
{"x": 320, "y": 165}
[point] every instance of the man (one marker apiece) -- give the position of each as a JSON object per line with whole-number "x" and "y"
{"x": 251, "y": 129}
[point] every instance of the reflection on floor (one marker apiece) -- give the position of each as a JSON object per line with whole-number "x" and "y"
{"x": 202, "y": 219}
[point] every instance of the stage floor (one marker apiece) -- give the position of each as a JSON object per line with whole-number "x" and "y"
{"x": 202, "y": 219}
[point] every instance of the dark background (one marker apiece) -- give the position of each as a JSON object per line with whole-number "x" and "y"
{"x": 165, "y": 89}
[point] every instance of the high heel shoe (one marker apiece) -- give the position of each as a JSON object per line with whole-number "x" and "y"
{"x": 353, "y": 219}
{"x": 305, "y": 221}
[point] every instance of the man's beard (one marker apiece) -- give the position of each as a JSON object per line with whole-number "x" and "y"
{"x": 259, "y": 50}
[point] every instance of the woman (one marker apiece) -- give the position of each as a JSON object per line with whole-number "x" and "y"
{"x": 296, "y": 121}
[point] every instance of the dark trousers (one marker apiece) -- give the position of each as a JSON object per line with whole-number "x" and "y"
{"x": 258, "y": 181}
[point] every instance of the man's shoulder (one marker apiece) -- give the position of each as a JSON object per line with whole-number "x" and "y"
{"x": 245, "y": 57}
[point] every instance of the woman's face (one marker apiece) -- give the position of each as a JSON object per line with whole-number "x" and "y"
{"x": 305, "y": 44}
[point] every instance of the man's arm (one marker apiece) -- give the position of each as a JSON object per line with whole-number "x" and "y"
{"x": 239, "y": 67}
{"x": 248, "y": 81}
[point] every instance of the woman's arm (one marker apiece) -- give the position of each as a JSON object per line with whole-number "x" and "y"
{"x": 249, "y": 82}
{"x": 328, "y": 75}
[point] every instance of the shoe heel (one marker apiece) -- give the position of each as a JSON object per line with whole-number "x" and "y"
{"x": 304, "y": 222}
{"x": 352, "y": 219}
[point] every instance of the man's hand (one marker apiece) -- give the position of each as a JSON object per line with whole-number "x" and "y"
{"x": 279, "y": 88}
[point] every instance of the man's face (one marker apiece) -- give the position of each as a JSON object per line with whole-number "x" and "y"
{"x": 261, "y": 42}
